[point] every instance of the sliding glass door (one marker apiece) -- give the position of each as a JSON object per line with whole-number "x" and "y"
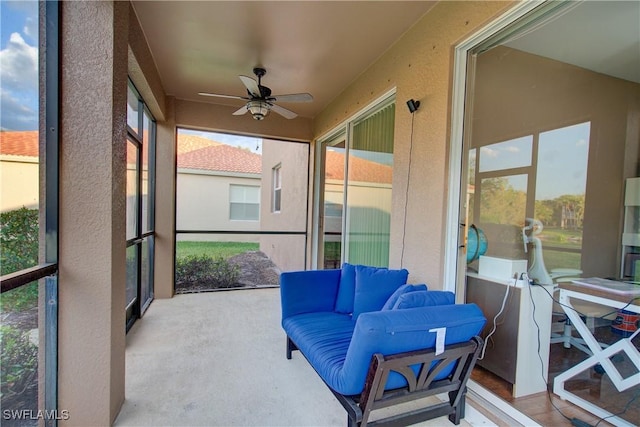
{"x": 355, "y": 174}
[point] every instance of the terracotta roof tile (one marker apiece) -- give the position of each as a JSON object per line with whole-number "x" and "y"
{"x": 361, "y": 170}
{"x": 188, "y": 143}
{"x": 221, "y": 158}
{"x": 19, "y": 143}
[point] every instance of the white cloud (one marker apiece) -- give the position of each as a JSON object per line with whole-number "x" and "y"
{"x": 31, "y": 28}
{"x": 19, "y": 84}
{"x": 19, "y": 65}
{"x": 15, "y": 114}
{"x": 489, "y": 152}
{"x": 512, "y": 149}
{"x": 581, "y": 142}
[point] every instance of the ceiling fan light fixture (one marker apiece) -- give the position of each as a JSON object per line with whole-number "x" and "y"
{"x": 258, "y": 108}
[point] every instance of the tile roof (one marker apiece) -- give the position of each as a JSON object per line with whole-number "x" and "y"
{"x": 194, "y": 152}
{"x": 188, "y": 143}
{"x": 222, "y": 157}
{"x": 361, "y": 170}
{"x": 19, "y": 143}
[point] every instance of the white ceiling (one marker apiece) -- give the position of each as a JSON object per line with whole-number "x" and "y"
{"x": 321, "y": 47}
{"x": 318, "y": 47}
{"x": 602, "y": 36}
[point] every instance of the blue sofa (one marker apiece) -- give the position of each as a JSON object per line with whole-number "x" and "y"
{"x": 377, "y": 341}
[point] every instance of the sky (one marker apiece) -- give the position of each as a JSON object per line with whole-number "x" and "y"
{"x": 19, "y": 65}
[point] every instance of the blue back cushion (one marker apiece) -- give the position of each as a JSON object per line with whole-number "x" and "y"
{"x": 374, "y": 286}
{"x": 346, "y": 289}
{"x": 424, "y": 299}
{"x": 400, "y": 291}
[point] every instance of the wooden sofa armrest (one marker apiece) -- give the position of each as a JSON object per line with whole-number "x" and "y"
{"x": 374, "y": 396}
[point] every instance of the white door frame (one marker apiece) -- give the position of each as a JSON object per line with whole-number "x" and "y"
{"x": 461, "y": 51}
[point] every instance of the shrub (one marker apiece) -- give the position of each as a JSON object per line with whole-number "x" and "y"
{"x": 205, "y": 271}
{"x": 18, "y": 367}
{"x": 19, "y": 243}
{"x": 19, "y": 239}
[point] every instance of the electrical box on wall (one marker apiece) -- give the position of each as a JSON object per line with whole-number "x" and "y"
{"x": 501, "y": 268}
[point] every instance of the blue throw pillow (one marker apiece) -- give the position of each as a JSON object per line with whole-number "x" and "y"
{"x": 346, "y": 289}
{"x": 374, "y": 286}
{"x": 401, "y": 290}
{"x": 424, "y": 299}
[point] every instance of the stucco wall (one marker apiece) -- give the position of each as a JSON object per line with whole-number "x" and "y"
{"x": 287, "y": 252}
{"x": 19, "y": 183}
{"x": 419, "y": 66}
{"x": 91, "y": 319}
{"x": 202, "y": 203}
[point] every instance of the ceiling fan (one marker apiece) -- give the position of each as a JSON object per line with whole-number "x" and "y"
{"x": 259, "y": 99}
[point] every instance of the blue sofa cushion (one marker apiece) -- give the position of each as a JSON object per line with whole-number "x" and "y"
{"x": 340, "y": 349}
{"x": 374, "y": 286}
{"x": 346, "y": 289}
{"x": 401, "y": 290}
{"x": 424, "y": 299}
{"x": 396, "y": 331}
{"x": 323, "y": 338}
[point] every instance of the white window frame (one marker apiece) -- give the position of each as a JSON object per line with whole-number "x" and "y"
{"x": 243, "y": 202}
{"x": 276, "y": 193}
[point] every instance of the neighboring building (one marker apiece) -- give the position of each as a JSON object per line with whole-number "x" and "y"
{"x": 284, "y": 202}
{"x": 217, "y": 189}
{"x": 19, "y": 182}
{"x": 218, "y": 186}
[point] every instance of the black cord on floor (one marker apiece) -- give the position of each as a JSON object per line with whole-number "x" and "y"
{"x": 533, "y": 304}
{"x": 623, "y": 409}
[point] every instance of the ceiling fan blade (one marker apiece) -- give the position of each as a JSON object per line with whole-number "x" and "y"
{"x": 219, "y": 95}
{"x": 287, "y": 114}
{"x": 252, "y": 86}
{"x": 242, "y": 110}
{"x": 293, "y": 97}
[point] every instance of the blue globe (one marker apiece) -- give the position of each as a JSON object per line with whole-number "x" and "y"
{"x": 476, "y": 243}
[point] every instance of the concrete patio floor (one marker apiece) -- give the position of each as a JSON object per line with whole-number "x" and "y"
{"x": 218, "y": 359}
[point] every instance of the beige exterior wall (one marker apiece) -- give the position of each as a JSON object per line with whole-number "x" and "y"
{"x": 287, "y": 252}
{"x": 19, "y": 182}
{"x": 418, "y": 66}
{"x": 203, "y": 204}
{"x": 91, "y": 322}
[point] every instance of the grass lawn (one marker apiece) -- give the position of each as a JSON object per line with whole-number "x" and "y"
{"x": 214, "y": 249}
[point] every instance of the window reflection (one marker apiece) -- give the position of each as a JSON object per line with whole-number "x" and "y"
{"x": 510, "y": 154}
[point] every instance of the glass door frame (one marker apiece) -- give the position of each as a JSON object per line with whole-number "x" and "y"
{"x": 462, "y": 92}
{"x": 344, "y": 129}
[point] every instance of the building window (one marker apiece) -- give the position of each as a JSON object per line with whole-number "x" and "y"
{"x": 244, "y": 203}
{"x": 277, "y": 189}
